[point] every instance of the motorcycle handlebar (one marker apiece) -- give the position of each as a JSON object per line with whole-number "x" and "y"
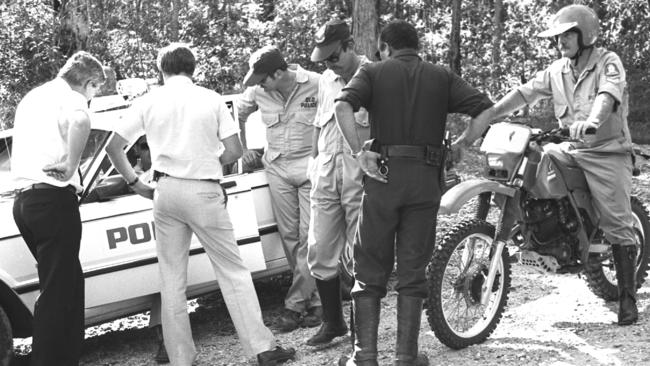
{"x": 564, "y": 131}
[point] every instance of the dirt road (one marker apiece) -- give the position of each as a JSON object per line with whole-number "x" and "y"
{"x": 550, "y": 320}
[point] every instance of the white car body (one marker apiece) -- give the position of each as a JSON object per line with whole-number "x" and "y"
{"x": 118, "y": 253}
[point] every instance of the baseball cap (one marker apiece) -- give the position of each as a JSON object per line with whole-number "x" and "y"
{"x": 263, "y": 62}
{"x": 328, "y": 38}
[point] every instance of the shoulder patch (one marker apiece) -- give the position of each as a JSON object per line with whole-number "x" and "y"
{"x": 611, "y": 70}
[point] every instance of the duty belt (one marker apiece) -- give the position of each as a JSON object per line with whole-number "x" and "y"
{"x": 157, "y": 175}
{"x": 429, "y": 154}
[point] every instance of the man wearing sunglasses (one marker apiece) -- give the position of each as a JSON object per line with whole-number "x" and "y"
{"x": 286, "y": 97}
{"x": 408, "y": 101}
{"x": 335, "y": 176}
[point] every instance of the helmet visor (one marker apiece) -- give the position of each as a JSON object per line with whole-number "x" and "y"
{"x": 557, "y": 29}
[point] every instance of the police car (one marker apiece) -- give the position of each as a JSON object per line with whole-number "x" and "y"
{"x": 118, "y": 240}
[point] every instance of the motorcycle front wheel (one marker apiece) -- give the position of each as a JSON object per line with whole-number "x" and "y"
{"x": 455, "y": 275}
{"x": 601, "y": 274}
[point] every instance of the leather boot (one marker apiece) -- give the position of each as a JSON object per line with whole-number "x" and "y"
{"x": 409, "y": 314}
{"x": 333, "y": 324}
{"x": 366, "y": 326}
{"x": 625, "y": 262}
{"x": 161, "y": 356}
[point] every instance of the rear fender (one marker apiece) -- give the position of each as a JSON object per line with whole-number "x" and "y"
{"x": 461, "y": 193}
{"x": 18, "y": 313}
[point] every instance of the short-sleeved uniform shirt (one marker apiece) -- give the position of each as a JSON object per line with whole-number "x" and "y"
{"x": 289, "y": 123}
{"x": 330, "y": 140}
{"x": 40, "y": 134}
{"x": 573, "y": 97}
{"x": 185, "y": 125}
{"x": 409, "y": 99}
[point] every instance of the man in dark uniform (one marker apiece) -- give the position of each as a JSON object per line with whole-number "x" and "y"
{"x": 408, "y": 101}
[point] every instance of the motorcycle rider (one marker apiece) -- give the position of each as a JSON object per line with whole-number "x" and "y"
{"x": 588, "y": 89}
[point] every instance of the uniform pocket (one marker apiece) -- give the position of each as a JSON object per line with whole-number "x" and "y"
{"x": 559, "y": 109}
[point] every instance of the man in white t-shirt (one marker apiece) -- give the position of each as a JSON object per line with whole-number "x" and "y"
{"x": 191, "y": 135}
{"x": 50, "y": 131}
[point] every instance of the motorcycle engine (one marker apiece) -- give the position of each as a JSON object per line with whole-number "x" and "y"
{"x": 550, "y": 226}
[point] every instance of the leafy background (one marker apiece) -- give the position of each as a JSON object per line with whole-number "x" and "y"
{"x": 37, "y": 36}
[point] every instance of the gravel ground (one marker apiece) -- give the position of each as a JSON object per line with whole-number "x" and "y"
{"x": 549, "y": 320}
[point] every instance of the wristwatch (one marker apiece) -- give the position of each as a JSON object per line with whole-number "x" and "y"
{"x": 131, "y": 184}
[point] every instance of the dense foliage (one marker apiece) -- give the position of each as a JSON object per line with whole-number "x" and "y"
{"x": 36, "y": 37}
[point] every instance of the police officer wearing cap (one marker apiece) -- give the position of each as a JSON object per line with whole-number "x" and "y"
{"x": 286, "y": 97}
{"x": 335, "y": 176}
{"x": 408, "y": 101}
{"x": 588, "y": 89}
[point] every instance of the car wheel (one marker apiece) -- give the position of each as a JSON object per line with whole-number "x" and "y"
{"x": 6, "y": 339}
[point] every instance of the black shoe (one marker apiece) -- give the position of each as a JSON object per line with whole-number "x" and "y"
{"x": 313, "y": 317}
{"x": 289, "y": 320}
{"x": 275, "y": 356}
{"x": 327, "y": 332}
{"x": 21, "y": 360}
{"x": 161, "y": 356}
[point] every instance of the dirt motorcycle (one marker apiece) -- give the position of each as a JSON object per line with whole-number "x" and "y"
{"x": 545, "y": 221}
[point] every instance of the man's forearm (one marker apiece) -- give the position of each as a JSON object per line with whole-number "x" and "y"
{"x": 78, "y": 132}
{"x": 602, "y": 108}
{"x": 346, "y": 122}
{"x": 314, "y": 142}
{"x": 115, "y": 151}
{"x": 511, "y": 102}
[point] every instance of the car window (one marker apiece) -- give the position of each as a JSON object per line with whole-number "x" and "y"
{"x": 6, "y": 188}
{"x": 110, "y": 184}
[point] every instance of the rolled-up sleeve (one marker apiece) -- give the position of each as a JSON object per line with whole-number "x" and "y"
{"x": 358, "y": 92}
{"x": 612, "y": 77}
{"x": 464, "y": 98}
{"x": 246, "y": 104}
{"x": 227, "y": 125}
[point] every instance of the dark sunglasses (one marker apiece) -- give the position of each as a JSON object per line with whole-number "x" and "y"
{"x": 334, "y": 57}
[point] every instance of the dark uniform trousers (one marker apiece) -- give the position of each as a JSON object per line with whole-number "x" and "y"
{"x": 397, "y": 218}
{"x": 50, "y": 224}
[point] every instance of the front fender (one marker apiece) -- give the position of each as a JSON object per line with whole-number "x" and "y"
{"x": 459, "y": 194}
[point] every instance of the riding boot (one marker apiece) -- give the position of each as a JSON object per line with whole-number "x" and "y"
{"x": 161, "y": 355}
{"x": 366, "y": 325}
{"x": 625, "y": 261}
{"x": 409, "y": 314}
{"x": 333, "y": 324}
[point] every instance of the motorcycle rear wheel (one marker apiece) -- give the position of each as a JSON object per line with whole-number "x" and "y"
{"x": 601, "y": 275}
{"x": 457, "y": 270}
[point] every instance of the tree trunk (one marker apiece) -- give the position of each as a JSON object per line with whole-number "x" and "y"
{"x": 73, "y": 26}
{"x": 173, "y": 21}
{"x": 454, "y": 38}
{"x": 365, "y": 26}
{"x": 399, "y": 9}
{"x": 497, "y": 25}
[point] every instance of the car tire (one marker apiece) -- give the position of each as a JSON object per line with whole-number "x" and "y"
{"x": 6, "y": 339}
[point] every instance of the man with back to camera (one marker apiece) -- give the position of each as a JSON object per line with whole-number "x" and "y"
{"x": 286, "y": 97}
{"x": 588, "y": 89}
{"x": 408, "y": 101}
{"x": 191, "y": 134}
{"x": 51, "y": 128}
{"x": 335, "y": 177}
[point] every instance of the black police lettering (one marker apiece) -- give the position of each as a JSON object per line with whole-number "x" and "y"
{"x": 136, "y": 234}
{"x": 310, "y": 102}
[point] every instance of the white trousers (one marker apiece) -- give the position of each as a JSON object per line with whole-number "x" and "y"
{"x": 183, "y": 207}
